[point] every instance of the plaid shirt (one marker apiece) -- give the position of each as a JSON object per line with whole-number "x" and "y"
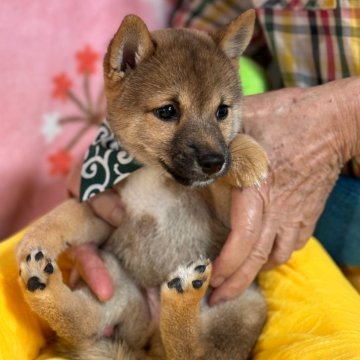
{"x": 312, "y": 41}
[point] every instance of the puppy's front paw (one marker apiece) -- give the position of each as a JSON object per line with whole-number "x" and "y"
{"x": 36, "y": 269}
{"x": 190, "y": 281}
{"x": 250, "y": 164}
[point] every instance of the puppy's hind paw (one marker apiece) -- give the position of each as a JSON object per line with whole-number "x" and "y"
{"x": 36, "y": 269}
{"x": 191, "y": 280}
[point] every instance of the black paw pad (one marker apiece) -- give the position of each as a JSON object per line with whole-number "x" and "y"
{"x": 39, "y": 256}
{"x": 197, "y": 284}
{"x": 34, "y": 284}
{"x": 49, "y": 269}
{"x": 200, "y": 269}
{"x": 175, "y": 283}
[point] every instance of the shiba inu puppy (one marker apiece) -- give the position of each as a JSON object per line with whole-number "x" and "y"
{"x": 175, "y": 102}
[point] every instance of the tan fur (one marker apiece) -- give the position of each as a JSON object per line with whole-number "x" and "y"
{"x": 180, "y": 318}
{"x": 249, "y": 163}
{"x": 175, "y": 210}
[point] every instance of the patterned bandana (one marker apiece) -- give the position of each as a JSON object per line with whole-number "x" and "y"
{"x": 105, "y": 164}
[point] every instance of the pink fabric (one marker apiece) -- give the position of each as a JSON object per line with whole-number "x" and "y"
{"x": 49, "y": 49}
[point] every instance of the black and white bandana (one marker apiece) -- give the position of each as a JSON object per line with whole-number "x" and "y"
{"x": 105, "y": 164}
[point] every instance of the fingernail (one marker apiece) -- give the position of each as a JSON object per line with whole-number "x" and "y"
{"x": 217, "y": 281}
{"x": 104, "y": 294}
{"x": 117, "y": 215}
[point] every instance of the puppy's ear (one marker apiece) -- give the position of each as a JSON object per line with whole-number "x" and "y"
{"x": 234, "y": 38}
{"x": 131, "y": 45}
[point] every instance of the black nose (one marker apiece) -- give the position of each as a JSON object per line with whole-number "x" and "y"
{"x": 211, "y": 163}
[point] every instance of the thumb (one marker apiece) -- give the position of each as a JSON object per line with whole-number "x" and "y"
{"x": 93, "y": 270}
{"x": 246, "y": 222}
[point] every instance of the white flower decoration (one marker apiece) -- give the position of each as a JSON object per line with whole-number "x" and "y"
{"x": 51, "y": 126}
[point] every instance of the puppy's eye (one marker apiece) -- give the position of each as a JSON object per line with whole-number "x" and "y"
{"x": 222, "y": 112}
{"x": 167, "y": 113}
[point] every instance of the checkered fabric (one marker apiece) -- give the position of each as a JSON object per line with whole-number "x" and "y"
{"x": 312, "y": 41}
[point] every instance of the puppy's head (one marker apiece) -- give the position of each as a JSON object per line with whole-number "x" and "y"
{"x": 174, "y": 98}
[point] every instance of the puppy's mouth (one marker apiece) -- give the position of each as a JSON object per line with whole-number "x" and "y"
{"x": 180, "y": 179}
{"x": 195, "y": 178}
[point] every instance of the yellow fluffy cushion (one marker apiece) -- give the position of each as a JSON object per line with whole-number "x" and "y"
{"x": 314, "y": 313}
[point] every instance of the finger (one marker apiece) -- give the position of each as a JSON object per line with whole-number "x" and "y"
{"x": 73, "y": 180}
{"x": 246, "y": 221}
{"x": 304, "y": 236}
{"x": 107, "y": 205}
{"x": 246, "y": 274}
{"x": 93, "y": 271}
{"x": 283, "y": 248}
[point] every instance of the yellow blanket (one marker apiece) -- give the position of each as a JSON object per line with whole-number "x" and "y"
{"x": 314, "y": 313}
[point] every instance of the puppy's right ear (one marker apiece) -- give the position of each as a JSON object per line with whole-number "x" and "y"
{"x": 234, "y": 38}
{"x": 131, "y": 45}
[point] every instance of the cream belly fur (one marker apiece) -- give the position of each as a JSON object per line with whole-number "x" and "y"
{"x": 177, "y": 226}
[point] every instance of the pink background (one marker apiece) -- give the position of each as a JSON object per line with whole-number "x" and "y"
{"x": 39, "y": 40}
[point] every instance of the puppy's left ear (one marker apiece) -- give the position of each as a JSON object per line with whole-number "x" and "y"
{"x": 234, "y": 38}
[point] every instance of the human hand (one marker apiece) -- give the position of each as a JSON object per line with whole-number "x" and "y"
{"x": 299, "y": 128}
{"x": 87, "y": 263}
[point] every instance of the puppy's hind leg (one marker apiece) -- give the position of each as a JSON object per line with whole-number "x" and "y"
{"x": 231, "y": 329}
{"x": 227, "y": 331}
{"x": 71, "y": 223}
{"x": 71, "y": 314}
{"x": 79, "y": 319}
{"x": 180, "y": 311}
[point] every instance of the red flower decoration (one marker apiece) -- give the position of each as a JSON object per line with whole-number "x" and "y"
{"x": 62, "y": 85}
{"x": 60, "y": 162}
{"x": 86, "y": 60}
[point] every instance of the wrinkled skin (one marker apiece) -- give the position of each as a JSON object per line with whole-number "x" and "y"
{"x": 308, "y": 134}
{"x": 308, "y": 140}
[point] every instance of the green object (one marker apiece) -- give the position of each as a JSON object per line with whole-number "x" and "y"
{"x": 252, "y": 77}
